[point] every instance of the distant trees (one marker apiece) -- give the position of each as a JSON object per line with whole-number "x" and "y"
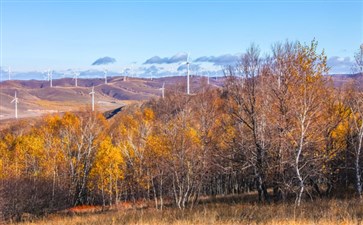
{"x": 358, "y": 58}
{"x": 278, "y": 126}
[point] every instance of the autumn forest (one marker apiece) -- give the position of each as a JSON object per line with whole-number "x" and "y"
{"x": 278, "y": 127}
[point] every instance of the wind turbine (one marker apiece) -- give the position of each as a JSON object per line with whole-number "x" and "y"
{"x": 188, "y": 64}
{"x": 75, "y": 77}
{"x": 163, "y": 90}
{"x": 92, "y": 93}
{"x": 125, "y": 73}
{"x": 9, "y": 72}
{"x": 50, "y": 77}
{"x": 132, "y": 70}
{"x": 16, "y": 101}
{"x": 152, "y": 74}
{"x": 105, "y": 74}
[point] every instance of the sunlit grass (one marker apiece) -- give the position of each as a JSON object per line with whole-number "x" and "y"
{"x": 318, "y": 212}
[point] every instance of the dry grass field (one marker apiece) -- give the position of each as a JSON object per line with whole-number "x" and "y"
{"x": 317, "y": 212}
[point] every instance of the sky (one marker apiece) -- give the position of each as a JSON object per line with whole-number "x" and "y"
{"x": 154, "y": 36}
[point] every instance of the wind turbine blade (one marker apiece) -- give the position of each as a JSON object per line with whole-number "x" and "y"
{"x": 15, "y": 99}
{"x": 93, "y": 91}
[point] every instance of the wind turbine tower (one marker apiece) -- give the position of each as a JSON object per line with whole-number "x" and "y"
{"x": 163, "y": 91}
{"x": 50, "y": 77}
{"x": 132, "y": 70}
{"x": 125, "y": 74}
{"x": 75, "y": 77}
{"x": 16, "y": 101}
{"x": 188, "y": 64}
{"x": 9, "y": 72}
{"x": 105, "y": 74}
{"x": 92, "y": 93}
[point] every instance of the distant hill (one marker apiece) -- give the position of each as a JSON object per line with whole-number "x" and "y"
{"x": 36, "y": 97}
{"x": 341, "y": 79}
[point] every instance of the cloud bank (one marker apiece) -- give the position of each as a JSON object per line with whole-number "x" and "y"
{"x": 192, "y": 67}
{"x": 104, "y": 61}
{"x": 222, "y": 60}
{"x": 340, "y": 65}
{"x": 179, "y": 57}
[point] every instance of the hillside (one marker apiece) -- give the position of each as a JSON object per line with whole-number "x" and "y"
{"x": 36, "y": 97}
{"x": 341, "y": 79}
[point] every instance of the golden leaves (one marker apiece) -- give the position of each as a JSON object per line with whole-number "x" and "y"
{"x": 108, "y": 165}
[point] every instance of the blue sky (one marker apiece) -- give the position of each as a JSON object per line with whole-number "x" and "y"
{"x": 61, "y": 35}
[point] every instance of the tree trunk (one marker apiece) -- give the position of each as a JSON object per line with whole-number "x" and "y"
{"x": 301, "y": 181}
{"x": 357, "y": 166}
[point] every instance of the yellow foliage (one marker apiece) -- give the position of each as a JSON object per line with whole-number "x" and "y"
{"x": 109, "y": 165}
{"x": 148, "y": 114}
{"x": 157, "y": 146}
{"x": 193, "y": 135}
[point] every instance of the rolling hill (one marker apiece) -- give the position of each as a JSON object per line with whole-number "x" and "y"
{"x": 36, "y": 97}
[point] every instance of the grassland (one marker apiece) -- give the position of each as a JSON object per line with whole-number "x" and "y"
{"x": 231, "y": 212}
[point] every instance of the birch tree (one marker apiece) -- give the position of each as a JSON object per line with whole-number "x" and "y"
{"x": 307, "y": 101}
{"x": 355, "y": 101}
